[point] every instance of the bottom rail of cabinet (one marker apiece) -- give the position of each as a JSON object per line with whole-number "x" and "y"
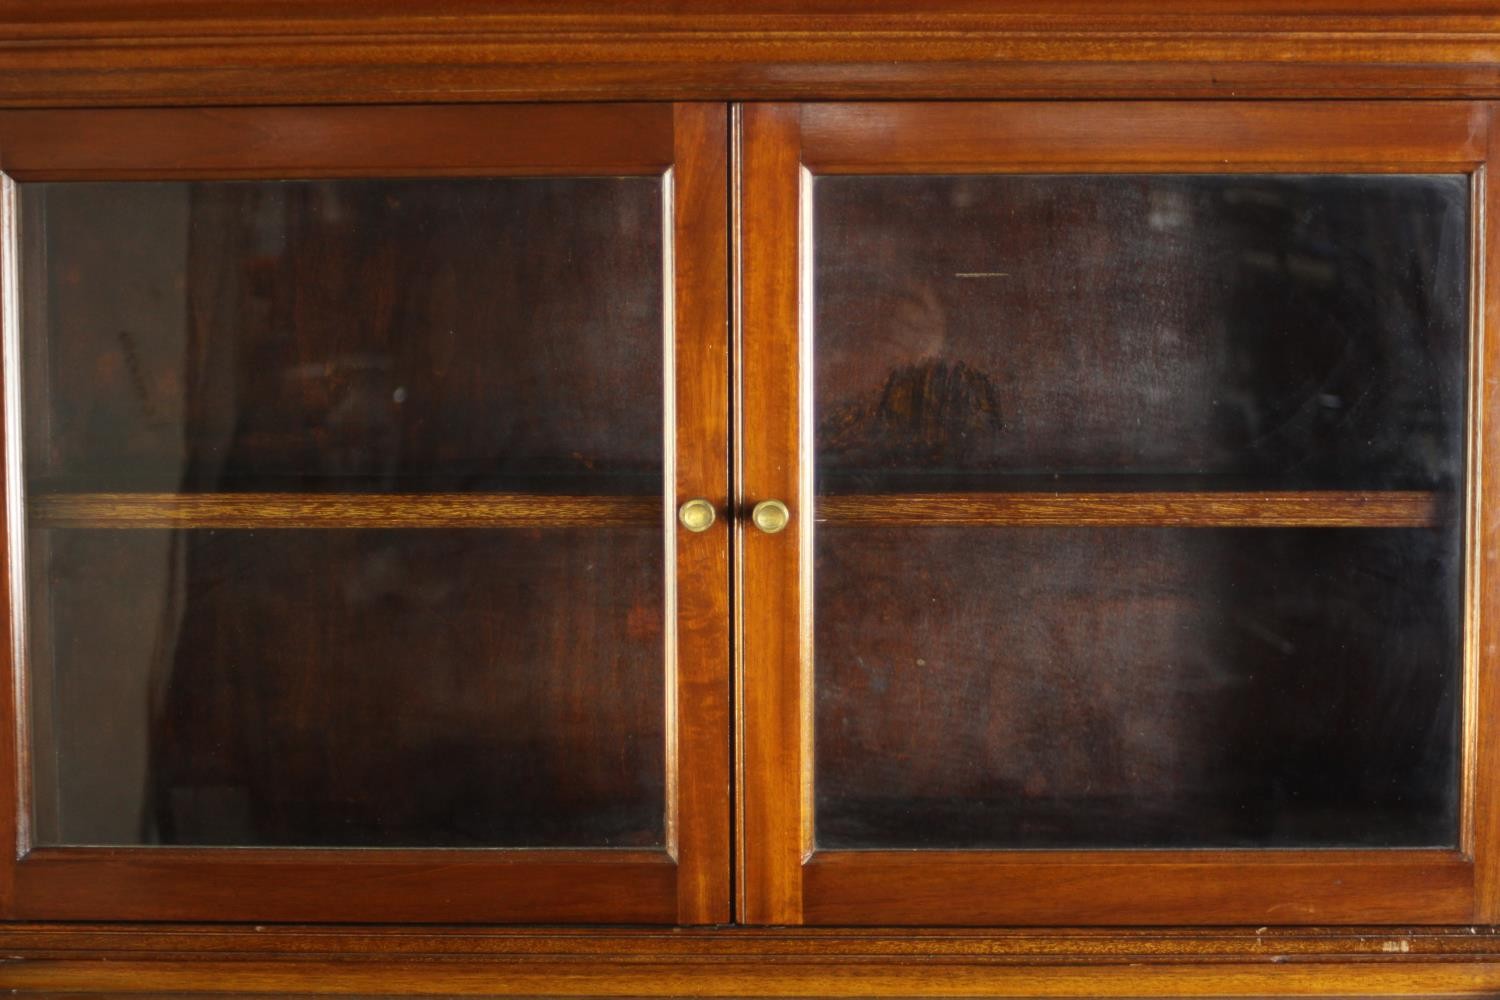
{"x": 77, "y": 960}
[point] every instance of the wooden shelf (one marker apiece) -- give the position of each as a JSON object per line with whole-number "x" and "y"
{"x": 1323, "y": 509}
{"x": 340, "y": 510}
{"x": 1313, "y": 509}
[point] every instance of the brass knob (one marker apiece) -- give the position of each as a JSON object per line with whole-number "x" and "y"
{"x": 770, "y": 516}
{"x": 696, "y": 515}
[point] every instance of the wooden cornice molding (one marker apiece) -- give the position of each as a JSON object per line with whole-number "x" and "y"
{"x": 93, "y": 52}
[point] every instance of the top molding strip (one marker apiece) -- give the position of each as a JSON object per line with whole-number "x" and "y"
{"x": 205, "y": 52}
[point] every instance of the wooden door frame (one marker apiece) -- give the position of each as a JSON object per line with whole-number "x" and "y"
{"x": 784, "y": 878}
{"x": 685, "y": 882}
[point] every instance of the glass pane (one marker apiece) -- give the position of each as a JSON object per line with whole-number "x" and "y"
{"x": 1136, "y": 687}
{"x": 1123, "y": 671}
{"x": 1140, "y": 331}
{"x": 248, "y": 407}
{"x": 359, "y": 688}
{"x": 346, "y": 335}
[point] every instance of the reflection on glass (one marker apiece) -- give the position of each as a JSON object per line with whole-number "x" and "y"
{"x": 1005, "y": 685}
{"x": 199, "y": 683}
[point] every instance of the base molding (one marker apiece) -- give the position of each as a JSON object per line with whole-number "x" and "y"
{"x": 742, "y": 962}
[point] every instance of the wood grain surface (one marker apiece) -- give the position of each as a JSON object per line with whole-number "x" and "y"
{"x": 314, "y": 885}
{"x": 773, "y": 621}
{"x": 1482, "y": 690}
{"x": 1394, "y": 509}
{"x": 215, "y": 52}
{"x": 390, "y": 141}
{"x": 1324, "y": 509}
{"x": 85, "y": 959}
{"x": 333, "y": 510}
{"x": 1260, "y": 888}
{"x": 699, "y": 753}
{"x": 1159, "y": 136}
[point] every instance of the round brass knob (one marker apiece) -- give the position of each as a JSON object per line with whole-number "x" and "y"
{"x": 770, "y": 516}
{"x": 696, "y": 515}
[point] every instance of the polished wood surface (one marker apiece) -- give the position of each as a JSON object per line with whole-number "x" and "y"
{"x": 1264, "y": 945}
{"x": 934, "y": 888}
{"x": 699, "y": 603}
{"x": 754, "y": 976}
{"x": 1128, "y": 136}
{"x": 773, "y": 620}
{"x": 391, "y": 141}
{"x": 1482, "y": 693}
{"x": 311, "y": 885}
{"x": 1272, "y": 945}
{"x": 1328, "y": 509}
{"x": 1398, "y": 961}
{"x": 79, "y": 52}
{"x": 335, "y": 510}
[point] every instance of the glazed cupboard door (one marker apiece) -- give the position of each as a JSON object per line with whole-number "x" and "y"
{"x": 344, "y": 453}
{"x": 1135, "y": 547}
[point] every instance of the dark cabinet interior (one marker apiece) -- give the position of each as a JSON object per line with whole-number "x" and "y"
{"x": 309, "y": 688}
{"x": 322, "y": 336}
{"x": 1130, "y": 687}
{"x": 1215, "y": 332}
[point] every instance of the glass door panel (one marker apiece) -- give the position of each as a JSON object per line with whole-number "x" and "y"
{"x": 1128, "y": 577}
{"x": 1281, "y": 351}
{"x": 350, "y": 495}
